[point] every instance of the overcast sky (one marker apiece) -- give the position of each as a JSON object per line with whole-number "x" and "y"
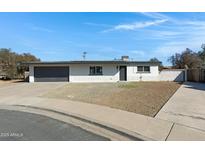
{"x": 104, "y": 36}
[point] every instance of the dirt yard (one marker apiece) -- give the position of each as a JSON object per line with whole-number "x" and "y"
{"x": 139, "y": 97}
{"x": 4, "y": 83}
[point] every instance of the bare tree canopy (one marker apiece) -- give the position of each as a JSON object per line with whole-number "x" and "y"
{"x": 187, "y": 58}
{"x": 154, "y": 60}
{"x": 9, "y": 62}
{"x": 202, "y": 53}
{"x": 157, "y": 60}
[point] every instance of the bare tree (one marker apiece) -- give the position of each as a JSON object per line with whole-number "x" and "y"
{"x": 186, "y": 58}
{"x": 156, "y": 60}
{"x": 9, "y": 61}
{"x": 202, "y": 53}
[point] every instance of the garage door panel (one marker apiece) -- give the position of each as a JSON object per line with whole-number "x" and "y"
{"x": 51, "y": 74}
{"x": 51, "y": 79}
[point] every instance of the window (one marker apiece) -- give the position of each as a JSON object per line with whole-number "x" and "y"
{"x": 146, "y": 69}
{"x": 92, "y": 70}
{"x": 96, "y": 70}
{"x": 139, "y": 68}
{"x": 143, "y": 68}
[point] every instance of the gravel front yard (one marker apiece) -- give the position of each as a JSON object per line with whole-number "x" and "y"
{"x": 139, "y": 97}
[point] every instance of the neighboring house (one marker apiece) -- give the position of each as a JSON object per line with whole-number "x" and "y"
{"x": 93, "y": 71}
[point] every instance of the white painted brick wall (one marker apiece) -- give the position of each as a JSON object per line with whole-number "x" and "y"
{"x": 80, "y": 73}
{"x": 172, "y": 75}
{"x": 133, "y": 75}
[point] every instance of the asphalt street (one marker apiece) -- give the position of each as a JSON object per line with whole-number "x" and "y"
{"x": 22, "y": 126}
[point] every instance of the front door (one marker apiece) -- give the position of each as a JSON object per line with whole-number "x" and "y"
{"x": 123, "y": 73}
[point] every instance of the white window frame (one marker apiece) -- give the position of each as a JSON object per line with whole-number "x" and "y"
{"x": 143, "y": 69}
{"x": 95, "y": 69}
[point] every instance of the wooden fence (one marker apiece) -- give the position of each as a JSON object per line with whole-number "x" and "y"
{"x": 196, "y": 75}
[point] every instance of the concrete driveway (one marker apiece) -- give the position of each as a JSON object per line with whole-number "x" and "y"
{"x": 23, "y": 90}
{"x": 186, "y": 106}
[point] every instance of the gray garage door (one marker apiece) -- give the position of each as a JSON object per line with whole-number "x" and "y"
{"x": 51, "y": 74}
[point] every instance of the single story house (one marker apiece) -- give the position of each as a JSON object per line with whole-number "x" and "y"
{"x": 93, "y": 71}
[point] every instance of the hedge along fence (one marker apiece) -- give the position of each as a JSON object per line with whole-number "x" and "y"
{"x": 196, "y": 75}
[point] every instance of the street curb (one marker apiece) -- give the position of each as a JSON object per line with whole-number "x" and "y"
{"x": 124, "y": 132}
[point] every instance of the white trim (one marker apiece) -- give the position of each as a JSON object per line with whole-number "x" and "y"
{"x": 31, "y": 73}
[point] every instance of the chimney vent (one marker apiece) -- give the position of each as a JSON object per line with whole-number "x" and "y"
{"x": 125, "y": 58}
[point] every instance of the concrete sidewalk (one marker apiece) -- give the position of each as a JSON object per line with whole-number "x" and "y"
{"x": 186, "y": 106}
{"x": 146, "y": 128}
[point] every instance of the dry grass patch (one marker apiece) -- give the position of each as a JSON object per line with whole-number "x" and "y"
{"x": 145, "y": 98}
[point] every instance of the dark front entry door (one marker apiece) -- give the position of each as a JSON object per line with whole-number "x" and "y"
{"x": 123, "y": 73}
{"x": 51, "y": 74}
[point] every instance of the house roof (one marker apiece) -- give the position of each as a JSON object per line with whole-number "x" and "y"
{"x": 91, "y": 62}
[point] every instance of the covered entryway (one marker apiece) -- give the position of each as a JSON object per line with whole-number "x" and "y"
{"x": 51, "y": 74}
{"x": 123, "y": 73}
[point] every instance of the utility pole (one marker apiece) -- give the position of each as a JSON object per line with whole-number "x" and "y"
{"x": 84, "y": 55}
{"x": 203, "y": 46}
